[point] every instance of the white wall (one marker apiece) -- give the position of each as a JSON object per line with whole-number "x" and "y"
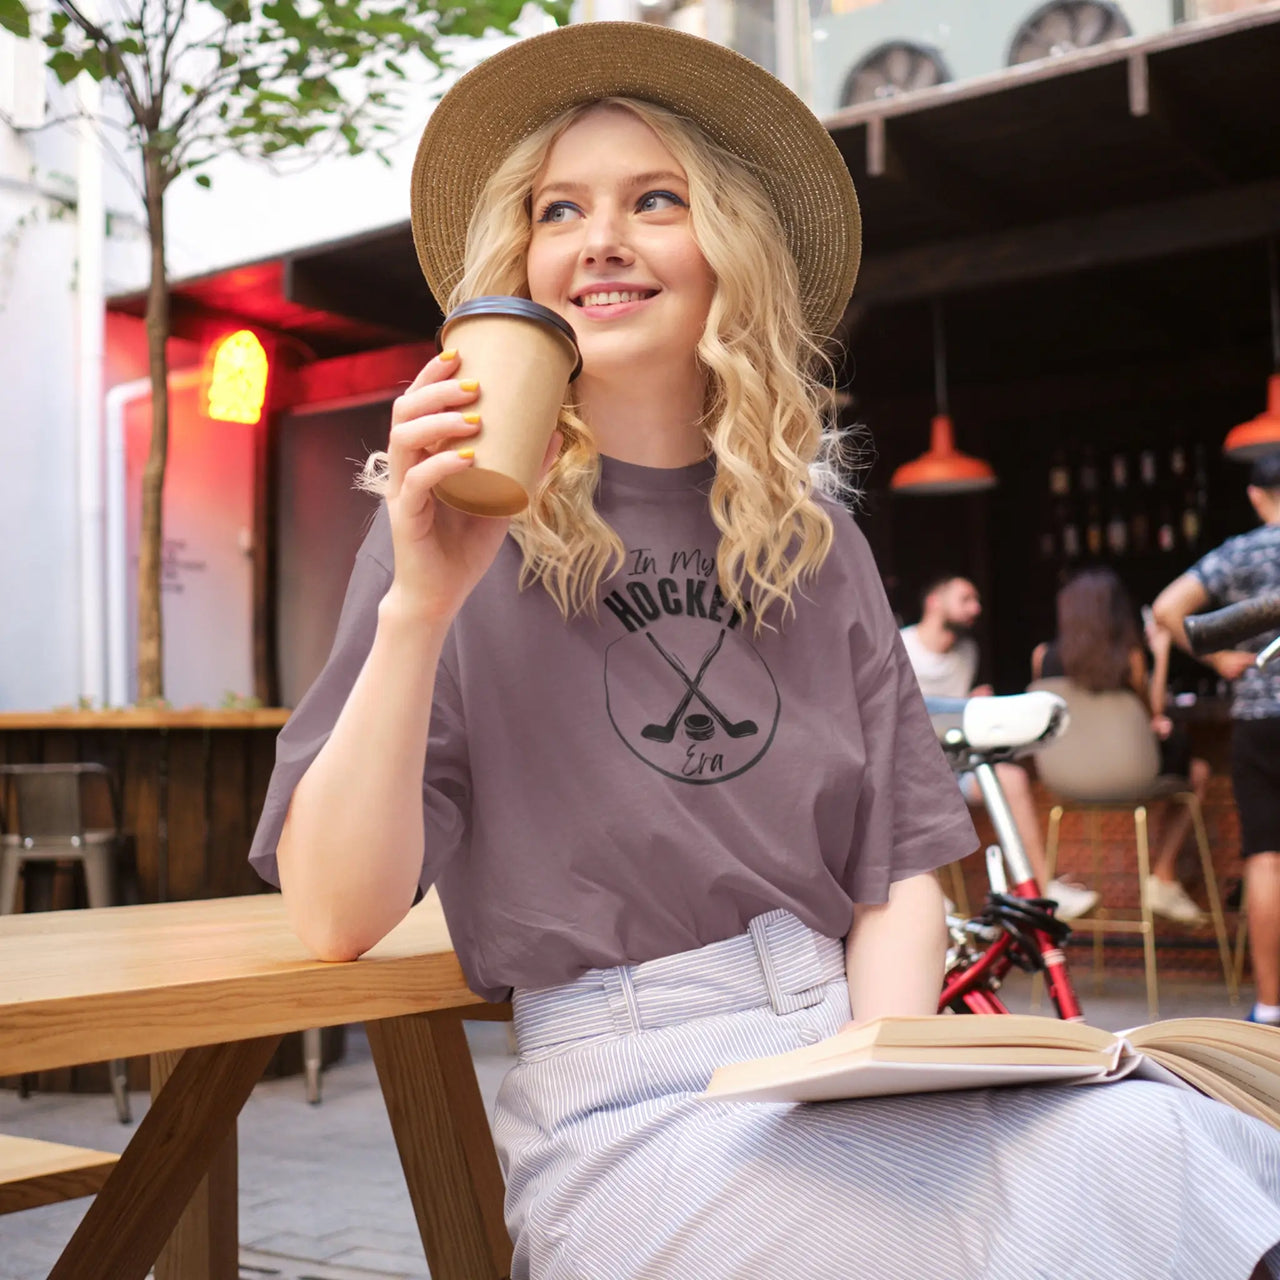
{"x": 39, "y": 538}
{"x": 39, "y": 618}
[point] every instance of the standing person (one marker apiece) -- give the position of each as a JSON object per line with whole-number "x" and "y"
{"x": 944, "y": 656}
{"x": 664, "y": 905}
{"x": 1241, "y": 568}
{"x": 1097, "y": 648}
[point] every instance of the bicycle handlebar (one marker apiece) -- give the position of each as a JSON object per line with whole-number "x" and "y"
{"x": 1227, "y": 627}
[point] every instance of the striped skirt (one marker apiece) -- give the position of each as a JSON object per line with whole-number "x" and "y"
{"x": 614, "y": 1169}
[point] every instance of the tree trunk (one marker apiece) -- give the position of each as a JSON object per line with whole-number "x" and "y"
{"x": 151, "y": 540}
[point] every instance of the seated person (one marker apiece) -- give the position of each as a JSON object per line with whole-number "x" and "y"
{"x": 944, "y": 656}
{"x": 1098, "y": 648}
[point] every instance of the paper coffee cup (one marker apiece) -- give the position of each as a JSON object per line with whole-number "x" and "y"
{"x": 524, "y": 356}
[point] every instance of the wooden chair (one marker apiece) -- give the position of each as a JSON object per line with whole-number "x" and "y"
{"x": 1108, "y": 760}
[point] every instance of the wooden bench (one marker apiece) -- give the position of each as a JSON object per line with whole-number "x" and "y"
{"x": 33, "y": 1173}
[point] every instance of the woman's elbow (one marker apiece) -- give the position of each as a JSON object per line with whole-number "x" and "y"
{"x": 325, "y": 935}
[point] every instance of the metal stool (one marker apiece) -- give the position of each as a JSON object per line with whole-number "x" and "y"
{"x": 1101, "y": 923}
{"x": 45, "y": 825}
{"x": 1109, "y": 759}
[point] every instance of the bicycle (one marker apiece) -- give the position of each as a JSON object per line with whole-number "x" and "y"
{"x": 1016, "y": 927}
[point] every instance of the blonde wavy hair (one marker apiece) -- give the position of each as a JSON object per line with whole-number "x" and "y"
{"x": 767, "y": 413}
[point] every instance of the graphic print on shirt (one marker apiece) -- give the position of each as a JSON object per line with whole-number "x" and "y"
{"x": 686, "y": 691}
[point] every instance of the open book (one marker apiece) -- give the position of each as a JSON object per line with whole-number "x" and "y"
{"x": 1235, "y": 1062}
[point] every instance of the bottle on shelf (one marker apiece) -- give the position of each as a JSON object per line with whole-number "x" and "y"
{"x": 1047, "y": 542}
{"x": 1088, "y": 471}
{"x": 1190, "y": 524}
{"x": 1059, "y": 475}
{"x": 1069, "y": 530}
{"x": 1140, "y": 533}
{"x": 1147, "y": 470}
{"x": 1178, "y": 460}
{"x": 1119, "y": 471}
{"x": 1117, "y": 533}
{"x": 1166, "y": 535}
{"x": 1093, "y": 531}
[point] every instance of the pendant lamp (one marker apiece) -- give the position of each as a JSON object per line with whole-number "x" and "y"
{"x": 1261, "y": 435}
{"x": 943, "y": 469}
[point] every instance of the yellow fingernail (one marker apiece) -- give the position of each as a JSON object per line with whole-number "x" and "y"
{"x": 466, "y": 453}
{"x": 451, "y": 354}
{"x": 469, "y": 385}
{"x": 471, "y": 419}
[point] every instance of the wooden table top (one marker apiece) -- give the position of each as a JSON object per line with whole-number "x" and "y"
{"x": 119, "y": 982}
{"x": 148, "y": 718}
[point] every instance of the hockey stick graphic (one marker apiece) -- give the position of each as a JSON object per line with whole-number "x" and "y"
{"x": 665, "y": 732}
{"x": 734, "y": 728}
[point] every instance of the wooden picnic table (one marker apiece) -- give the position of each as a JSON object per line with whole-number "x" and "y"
{"x": 206, "y": 989}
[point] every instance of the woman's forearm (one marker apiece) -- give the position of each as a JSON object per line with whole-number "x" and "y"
{"x": 1159, "y": 686}
{"x": 895, "y": 952}
{"x": 350, "y": 853}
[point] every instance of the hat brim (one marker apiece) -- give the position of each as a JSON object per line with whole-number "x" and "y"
{"x": 735, "y": 102}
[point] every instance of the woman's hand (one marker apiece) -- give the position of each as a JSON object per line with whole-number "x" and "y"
{"x": 440, "y": 553}
{"x": 1161, "y": 726}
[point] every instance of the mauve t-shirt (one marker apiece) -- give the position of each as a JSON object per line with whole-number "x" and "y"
{"x": 607, "y": 791}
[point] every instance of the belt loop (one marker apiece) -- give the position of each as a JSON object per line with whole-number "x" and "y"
{"x": 789, "y": 960}
{"x": 620, "y": 991}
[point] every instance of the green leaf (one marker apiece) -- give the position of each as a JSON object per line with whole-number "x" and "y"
{"x": 65, "y": 65}
{"x": 203, "y": 180}
{"x": 14, "y": 17}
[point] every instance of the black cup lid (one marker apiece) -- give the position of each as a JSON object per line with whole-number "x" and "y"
{"x": 524, "y": 308}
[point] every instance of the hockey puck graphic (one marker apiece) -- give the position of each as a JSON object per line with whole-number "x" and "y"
{"x": 699, "y": 727}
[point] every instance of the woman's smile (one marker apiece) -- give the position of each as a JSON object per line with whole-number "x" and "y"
{"x": 610, "y": 302}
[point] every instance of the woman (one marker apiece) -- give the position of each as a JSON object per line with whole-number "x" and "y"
{"x": 741, "y": 879}
{"x": 1098, "y": 648}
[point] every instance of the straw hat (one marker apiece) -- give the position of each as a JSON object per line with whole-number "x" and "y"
{"x": 734, "y": 101}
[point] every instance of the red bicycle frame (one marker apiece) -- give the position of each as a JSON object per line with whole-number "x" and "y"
{"x": 974, "y": 983}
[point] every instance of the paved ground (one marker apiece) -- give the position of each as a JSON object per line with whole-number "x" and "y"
{"x": 321, "y": 1194}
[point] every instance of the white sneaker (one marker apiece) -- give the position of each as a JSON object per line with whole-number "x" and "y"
{"x": 1072, "y": 899}
{"x": 1169, "y": 899}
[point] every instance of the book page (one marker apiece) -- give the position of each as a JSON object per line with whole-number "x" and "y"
{"x": 1255, "y": 1077}
{"x": 1211, "y": 1083}
{"x": 1228, "y": 1031}
{"x": 869, "y": 1079}
{"x": 859, "y": 1047}
{"x": 980, "y": 1029}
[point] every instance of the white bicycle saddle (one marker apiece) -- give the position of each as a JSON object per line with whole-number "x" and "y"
{"x": 1014, "y": 722}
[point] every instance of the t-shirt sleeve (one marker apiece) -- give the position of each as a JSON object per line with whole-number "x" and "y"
{"x": 910, "y": 815}
{"x": 446, "y": 780}
{"x": 1213, "y": 571}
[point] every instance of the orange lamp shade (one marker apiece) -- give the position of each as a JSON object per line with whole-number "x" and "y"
{"x": 943, "y": 469}
{"x": 238, "y": 379}
{"x": 1260, "y": 435}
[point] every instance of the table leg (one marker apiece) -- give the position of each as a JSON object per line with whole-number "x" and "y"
{"x": 446, "y": 1148}
{"x": 205, "y": 1244}
{"x": 135, "y": 1213}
